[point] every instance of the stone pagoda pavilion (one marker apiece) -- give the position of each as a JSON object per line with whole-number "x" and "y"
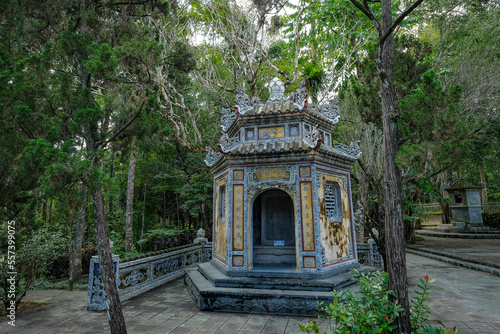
{"x": 283, "y": 216}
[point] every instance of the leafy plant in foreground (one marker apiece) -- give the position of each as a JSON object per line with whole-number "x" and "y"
{"x": 371, "y": 311}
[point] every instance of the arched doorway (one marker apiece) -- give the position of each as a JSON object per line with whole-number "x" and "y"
{"x": 273, "y": 232}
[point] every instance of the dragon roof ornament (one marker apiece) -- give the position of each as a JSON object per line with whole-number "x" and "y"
{"x": 243, "y": 102}
{"x": 331, "y": 110}
{"x": 299, "y": 97}
{"x": 227, "y": 144}
{"x": 352, "y": 150}
{"x": 312, "y": 137}
{"x": 227, "y": 119}
{"x": 213, "y": 157}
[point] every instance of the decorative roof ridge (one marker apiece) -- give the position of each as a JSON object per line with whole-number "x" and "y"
{"x": 352, "y": 152}
{"x": 228, "y": 118}
{"x": 212, "y": 157}
{"x": 246, "y": 106}
{"x": 299, "y": 97}
{"x": 226, "y": 144}
{"x": 243, "y": 102}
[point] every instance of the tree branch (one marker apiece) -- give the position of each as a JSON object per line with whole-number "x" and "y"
{"x": 123, "y": 128}
{"x": 399, "y": 20}
{"x": 367, "y": 12}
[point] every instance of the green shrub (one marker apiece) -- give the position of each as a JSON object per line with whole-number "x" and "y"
{"x": 371, "y": 311}
{"x": 491, "y": 219}
{"x": 164, "y": 238}
{"x": 34, "y": 255}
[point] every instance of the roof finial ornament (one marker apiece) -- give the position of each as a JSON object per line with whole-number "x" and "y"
{"x": 276, "y": 91}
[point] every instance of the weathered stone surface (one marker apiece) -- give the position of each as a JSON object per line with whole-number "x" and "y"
{"x": 213, "y": 291}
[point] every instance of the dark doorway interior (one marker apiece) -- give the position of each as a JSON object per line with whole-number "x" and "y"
{"x": 273, "y": 232}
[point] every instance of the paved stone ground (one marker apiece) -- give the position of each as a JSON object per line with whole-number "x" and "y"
{"x": 484, "y": 251}
{"x": 462, "y": 297}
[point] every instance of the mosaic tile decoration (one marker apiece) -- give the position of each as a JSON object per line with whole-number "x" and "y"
{"x": 238, "y": 260}
{"x": 238, "y": 215}
{"x": 309, "y": 262}
{"x": 272, "y": 132}
{"x": 238, "y": 175}
{"x": 307, "y": 218}
{"x": 305, "y": 171}
{"x": 271, "y": 173}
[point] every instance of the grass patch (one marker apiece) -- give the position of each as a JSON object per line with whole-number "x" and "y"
{"x": 81, "y": 284}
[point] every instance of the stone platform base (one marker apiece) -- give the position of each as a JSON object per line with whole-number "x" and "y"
{"x": 460, "y": 227}
{"x": 214, "y": 291}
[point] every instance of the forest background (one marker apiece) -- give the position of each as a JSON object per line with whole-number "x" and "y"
{"x": 107, "y": 110}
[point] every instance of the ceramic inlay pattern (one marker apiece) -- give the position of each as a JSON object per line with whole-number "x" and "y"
{"x": 238, "y": 214}
{"x": 308, "y": 243}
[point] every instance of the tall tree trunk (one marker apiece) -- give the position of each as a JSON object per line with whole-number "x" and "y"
{"x": 107, "y": 271}
{"x": 44, "y": 211}
{"x": 394, "y": 228}
{"x": 106, "y": 268}
{"x": 484, "y": 191}
{"x": 445, "y": 207}
{"x": 111, "y": 176}
{"x": 129, "y": 220}
{"x": 143, "y": 212}
{"x": 50, "y": 211}
{"x": 75, "y": 261}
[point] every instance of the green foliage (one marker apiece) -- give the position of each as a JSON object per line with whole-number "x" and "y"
{"x": 419, "y": 310}
{"x": 152, "y": 235}
{"x": 411, "y": 60}
{"x": 316, "y": 79}
{"x": 371, "y": 311}
{"x": 34, "y": 255}
{"x": 101, "y": 59}
{"x": 118, "y": 242}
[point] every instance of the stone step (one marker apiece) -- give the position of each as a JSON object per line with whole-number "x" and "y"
{"x": 492, "y": 234}
{"x": 271, "y": 254}
{"x": 218, "y": 279}
{"x": 254, "y": 300}
{"x": 466, "y": 263}
{"x": 477, "y": 229}
{"x": 444, "y": 228}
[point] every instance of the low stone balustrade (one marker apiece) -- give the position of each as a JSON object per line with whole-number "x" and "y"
{"x": 369, "y": 255}
{"x": 138, "y": 276}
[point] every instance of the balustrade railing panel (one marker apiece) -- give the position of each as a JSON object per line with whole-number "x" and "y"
{"x": 136, "y": 277}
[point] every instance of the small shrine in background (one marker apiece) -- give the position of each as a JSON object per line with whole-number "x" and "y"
{"x": 465, "y": 206}
{"x": 282, "y": 206}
